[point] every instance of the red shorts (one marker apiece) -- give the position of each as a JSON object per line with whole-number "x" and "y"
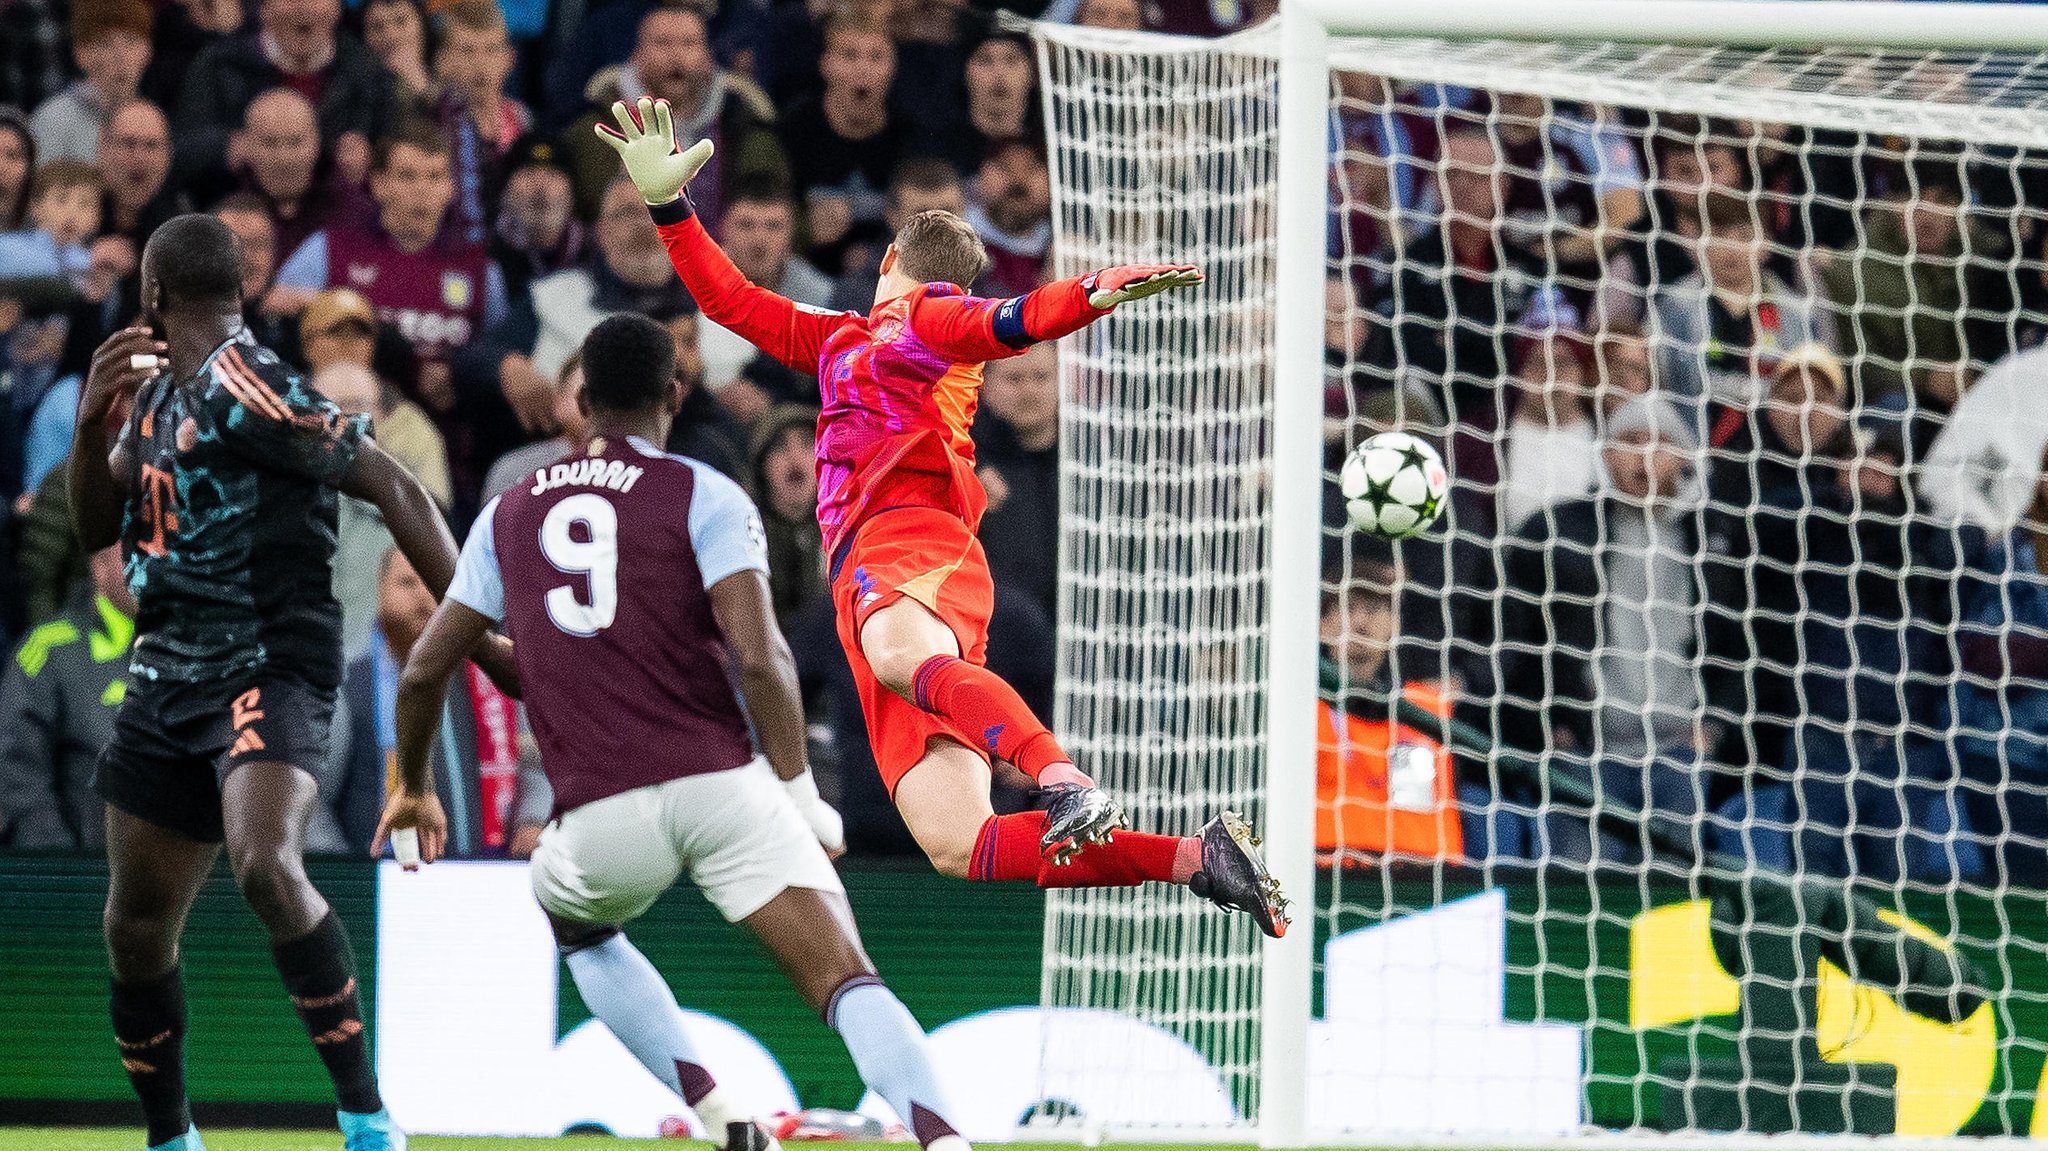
{"x": 927, "y": 555}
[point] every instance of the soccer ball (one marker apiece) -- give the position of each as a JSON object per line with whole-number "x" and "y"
{"x": 1394, "y": 485}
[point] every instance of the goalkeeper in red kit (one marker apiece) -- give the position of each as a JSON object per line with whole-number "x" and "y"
{"x": 899, "y": 502}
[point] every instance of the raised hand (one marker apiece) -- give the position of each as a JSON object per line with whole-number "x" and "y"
{"x": 645, "y": 140}
{"x": 1126, "y": 282}
{"x": 115, "y": 374}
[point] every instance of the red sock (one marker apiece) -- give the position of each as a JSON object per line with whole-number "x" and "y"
{"x": 1007, "y": 849}
{"x": 976, "y": 701}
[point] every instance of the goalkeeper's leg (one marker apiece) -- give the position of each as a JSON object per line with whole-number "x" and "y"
{"x": 944, "y": 801}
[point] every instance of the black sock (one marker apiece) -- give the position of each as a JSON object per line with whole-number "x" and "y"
{"x": 319, "y": 970}
{"x": 149, "y": 1024}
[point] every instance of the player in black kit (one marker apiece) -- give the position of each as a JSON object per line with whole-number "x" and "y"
{"x": 222, "y": 490}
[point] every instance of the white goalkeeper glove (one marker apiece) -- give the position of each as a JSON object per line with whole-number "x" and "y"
{"x": 1125, "y": 282}
{"x": 645, "y": 140}
{"x": 825, "y": 822}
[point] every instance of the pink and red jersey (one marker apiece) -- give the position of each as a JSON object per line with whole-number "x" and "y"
{"x": 599, "y": 568}
{"x": 898, "y": 386}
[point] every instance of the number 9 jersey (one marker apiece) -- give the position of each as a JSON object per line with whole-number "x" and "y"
{"x": 599, "y": 568}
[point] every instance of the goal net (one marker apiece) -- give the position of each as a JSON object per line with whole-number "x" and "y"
{"x": 1691, "y": 773}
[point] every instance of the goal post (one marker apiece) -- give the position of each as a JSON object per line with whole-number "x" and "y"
{"x": 1196, "y": 439}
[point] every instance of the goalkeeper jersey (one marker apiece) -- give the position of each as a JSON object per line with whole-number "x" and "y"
{"x": 897, "y": 386}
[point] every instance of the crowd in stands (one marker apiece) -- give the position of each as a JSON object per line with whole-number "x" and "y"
{"x": 1692, "y": 376}
{"x": 429, "y": 227}
{"x": 1686, "y": 372}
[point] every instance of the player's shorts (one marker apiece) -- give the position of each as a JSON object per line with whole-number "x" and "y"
{"x": 175, "y": 742}
{"x": 929, "y": 556}
{"x": 737, "y": 834}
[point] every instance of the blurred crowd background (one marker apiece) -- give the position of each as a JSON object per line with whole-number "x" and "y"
{"x": 1686, "y": 372}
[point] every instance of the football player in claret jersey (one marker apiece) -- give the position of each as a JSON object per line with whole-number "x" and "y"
{"x": 221, "y": 490}
{"x": 634, "y": 586}
{"x": 899, "y": 502}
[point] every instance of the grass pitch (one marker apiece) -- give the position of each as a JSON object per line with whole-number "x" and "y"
{"x": 230, "y": 1139}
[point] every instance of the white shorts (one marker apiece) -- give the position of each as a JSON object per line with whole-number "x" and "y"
{"x": 736, "y": 832}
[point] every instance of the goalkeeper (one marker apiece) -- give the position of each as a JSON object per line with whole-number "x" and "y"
{"x": 898, "y": 503}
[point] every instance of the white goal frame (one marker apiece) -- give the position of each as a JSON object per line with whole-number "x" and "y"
{"x": 1304, "y": 80}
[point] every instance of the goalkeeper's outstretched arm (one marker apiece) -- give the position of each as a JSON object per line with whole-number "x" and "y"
{"x": 973, "y": 330}
{"x": 645, "y": 139}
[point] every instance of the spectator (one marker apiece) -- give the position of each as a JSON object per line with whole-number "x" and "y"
{"x": 1866, "y": 795}
{"x": 1573, "y": 186}
{"x": 1919, "y": 298}
{"x": 64, "y": 215}
{"x": 672, "y": 61}
{"x": 759, "y": 232}
{"x": 57, "y": 704}
{"x": 1551, "y": 453}
{"x": 845, "y": 142}
{"x": 49, "y": 259}
{"x": 537, "y": 233}
{"x": 256, "y": 238}
{"x": 398, "y": 33}
{"x": 494, "y": 792}
{"x": 1011, "y": 210}
{"x": 920, "y": 184}
{"x": 1626, "y": 366}
{"x": 282, "y": 166}
{"x": 1609, "y": 661}
{"x": 339, "y": 327}
{"x": 1694, "y": 164}
{"x": 784, "y": 472}
{"x": 185, "y": 28}
{"x": 297, "y": 44}
{"x": 1448, "y": 310}
{"x": 52, "y": 564}
{"x": 110, "y": 41}
{"x": 703, "y": 430}
{"x": 1382, "y": 787}
{"x": 33, "y": 56}
{"x": 1764, "y": 485}
{"x": 1998, "y": 707}
{"x": 1001, "y": 105}
{"x": 523, "y": 357}
{"x": 472, "y": 62}
{"x": 1017, "y": 448}
{"x": 1723, "y": 327}
{"x": 135, "y": 161}
{"x": 17, "y": 162}
{"x": 520, "y": 463}
{"x": 360, "y": 535}
{"x": 437, "y": 290}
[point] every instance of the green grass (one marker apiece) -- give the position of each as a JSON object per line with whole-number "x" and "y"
{"x": 226, "y": 1139}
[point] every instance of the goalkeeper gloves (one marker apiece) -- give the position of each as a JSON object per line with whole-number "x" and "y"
{"x": 825, "y": 822}
{"x": 645, "y": 140}
{"x": 1112, "y": 286}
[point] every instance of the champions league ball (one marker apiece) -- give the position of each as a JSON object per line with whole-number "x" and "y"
{"x": 1394, "y": 485}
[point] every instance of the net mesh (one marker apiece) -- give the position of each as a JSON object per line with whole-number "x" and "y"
{"x": 1689, "y": 775}
{"x": 1165, "y": 526}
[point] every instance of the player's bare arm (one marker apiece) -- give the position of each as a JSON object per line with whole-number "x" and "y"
{"x": 768, "y": 686}
{"x": 97, "y": 483}
{"x": 422, "y": 536}
{"x": 451, "y": 634}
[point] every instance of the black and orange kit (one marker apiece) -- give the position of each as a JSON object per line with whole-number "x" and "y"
{"x": 228, "y": 537}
